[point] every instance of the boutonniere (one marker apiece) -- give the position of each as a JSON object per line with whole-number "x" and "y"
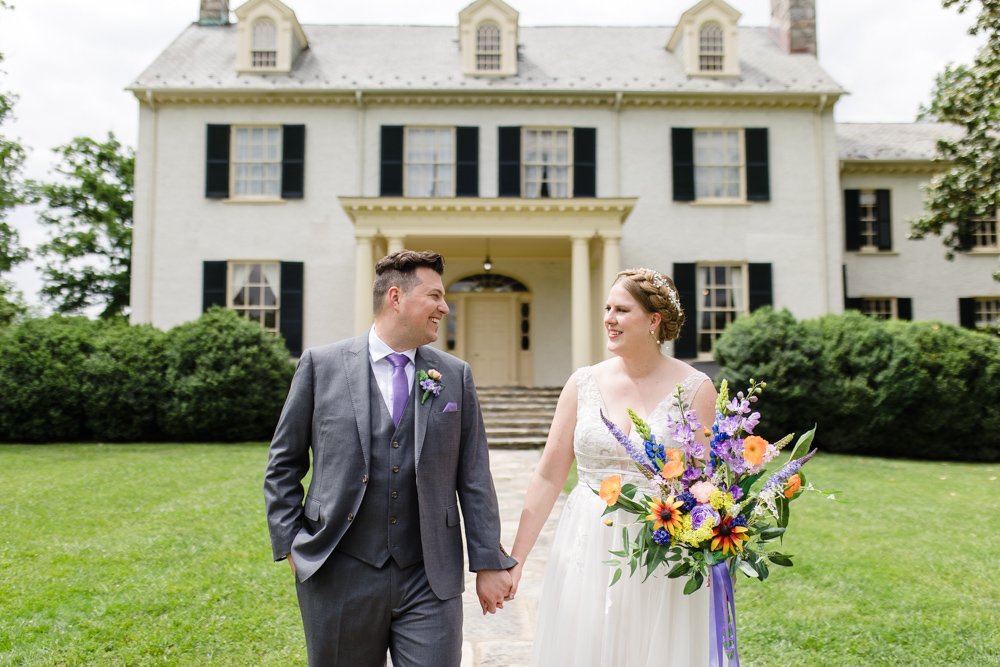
{"x": 430, "y": 382}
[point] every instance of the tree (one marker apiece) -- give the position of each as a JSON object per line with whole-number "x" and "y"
{"x": 11, "y": 194}
{"x": 969, "y": 96}
{"x": 88, "y": 258}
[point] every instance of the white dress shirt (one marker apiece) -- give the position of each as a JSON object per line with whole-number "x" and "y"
{"x": 382, "y": 368}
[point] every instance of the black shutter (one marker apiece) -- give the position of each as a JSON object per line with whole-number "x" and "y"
{"x": 217, "y": 162}
{"x": 883, "y": 225}
{"x": 467, "y": 158}
{"x": 852, "y": 219}
{"x": 758, "y": 178}
{"x": 904, "y": 308}
{"x": 510, "y": 162}
{"x": 293, "y": 161}
{"x": 213, "y": 285}
{"x": 584, "y": 162}
{"x": 967, "y": 313}
{"x": 685, "y": 279}
{"x": 682, "y": 153}
{"x": 965, "y": 236}
{"x": 854, "y": 304}
{"x": 391, "y": 179}
{"x": 760, "y": 286}
{"x": 291, "y": 306}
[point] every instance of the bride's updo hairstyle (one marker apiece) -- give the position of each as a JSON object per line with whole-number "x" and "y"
{"x": 655, "y": 293}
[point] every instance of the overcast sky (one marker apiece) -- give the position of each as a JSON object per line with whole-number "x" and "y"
{"x": 68, "y": 61}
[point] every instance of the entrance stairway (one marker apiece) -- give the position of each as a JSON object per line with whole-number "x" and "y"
{"x": 518, "y": 417}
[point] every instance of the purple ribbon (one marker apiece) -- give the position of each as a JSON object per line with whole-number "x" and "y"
{"x": 723, "y": 618}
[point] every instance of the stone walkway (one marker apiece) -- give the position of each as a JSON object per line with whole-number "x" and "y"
{"x": 504, "y": 639}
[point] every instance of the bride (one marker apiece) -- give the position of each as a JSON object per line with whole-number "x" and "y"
{"x": 582, "y": 621}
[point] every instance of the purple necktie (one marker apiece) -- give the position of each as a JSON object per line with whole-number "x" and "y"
{"x": 400, "y": 386}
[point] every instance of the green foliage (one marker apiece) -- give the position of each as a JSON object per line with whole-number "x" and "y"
{"x": 969, "y": 96}
{"x": 902, "y": 389}
{"x": 88, "y": 256}
{"x": 12, "y": 156}
{"x": 124, "y": 382}
{"x": 73, "y": 379}
{"x": 41, "y": 383}
{"x": 227, "y": 379}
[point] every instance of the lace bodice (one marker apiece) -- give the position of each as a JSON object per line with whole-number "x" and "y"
{"x": 597, "y": 452}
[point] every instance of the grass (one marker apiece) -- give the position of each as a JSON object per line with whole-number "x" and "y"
{"x": 158, "y": 554}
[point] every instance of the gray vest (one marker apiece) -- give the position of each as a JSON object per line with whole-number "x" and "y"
{"x": 388, "y": 522}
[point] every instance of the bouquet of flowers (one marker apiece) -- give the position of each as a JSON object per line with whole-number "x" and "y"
{"x": 708, "y": 516}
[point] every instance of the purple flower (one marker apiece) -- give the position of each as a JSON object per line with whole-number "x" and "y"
{"x": 751, "y": 422}
{"x": 736, "y": 492}
{"x": 738, "y": 406}
{"x": 431, "y": 386}
{"x": 633, "y": 451}
{"x": 779, "y": 478}
{"x": 690, "y": 476}
{"x": 701, "y": 513}
{"x": 661, "y": 536}
{"x": 696, "y": 449}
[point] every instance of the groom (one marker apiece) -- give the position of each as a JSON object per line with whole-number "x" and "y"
{"x": 376, "y": 544}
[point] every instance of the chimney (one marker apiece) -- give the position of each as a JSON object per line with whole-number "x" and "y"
{"x": 214, "y": 12}
{"x": 793, "y": 25}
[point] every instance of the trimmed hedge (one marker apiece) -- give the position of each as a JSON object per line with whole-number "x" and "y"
{"x": 72, "y": 379}
{"x": 921, "y": 390}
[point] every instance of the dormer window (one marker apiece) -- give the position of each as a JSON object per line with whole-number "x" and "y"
{"x": 710, "y": 47}
{"x": 488, "y": 47}
{"x": 264, "y": 52}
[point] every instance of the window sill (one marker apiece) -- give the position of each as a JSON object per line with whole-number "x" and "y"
{"x": 984, "y": 251}
{"x": 721, "y": 202}
{"x": 254, "y": 200}
{"x": 874, "y": 253}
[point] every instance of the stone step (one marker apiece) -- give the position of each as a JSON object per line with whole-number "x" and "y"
{"x": 520, "y": 442}
{"x": 518, "y": 417}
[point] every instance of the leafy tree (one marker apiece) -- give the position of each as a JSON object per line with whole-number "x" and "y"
{"x": 88, "y": 258}
{"x": 969, "y": 96}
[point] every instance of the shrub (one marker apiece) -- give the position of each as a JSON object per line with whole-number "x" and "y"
{"x": 226, "y": 379}
{"x": 918, "y": 390}
{"x": 124, "y": 382}
{"x": 41, "y": 387}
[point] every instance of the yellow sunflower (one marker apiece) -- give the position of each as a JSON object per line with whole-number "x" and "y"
{"x": 665, "y": 514}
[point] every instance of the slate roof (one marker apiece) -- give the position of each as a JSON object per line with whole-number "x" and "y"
{"x": 892, "y": 141}
{"x": 426, "y": 58}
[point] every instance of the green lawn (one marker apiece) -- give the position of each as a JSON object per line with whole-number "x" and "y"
{"x": 158, "y": 554}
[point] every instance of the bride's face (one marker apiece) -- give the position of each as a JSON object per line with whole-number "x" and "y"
{"x": 625, "y": 322}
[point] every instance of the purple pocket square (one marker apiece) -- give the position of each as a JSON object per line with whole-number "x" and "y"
{"x": 450, "y": 407}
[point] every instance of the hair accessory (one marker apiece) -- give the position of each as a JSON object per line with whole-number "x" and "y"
{"x": 659, "y": 282}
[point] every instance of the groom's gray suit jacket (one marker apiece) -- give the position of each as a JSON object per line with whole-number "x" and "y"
{"x": 328, "y": 412}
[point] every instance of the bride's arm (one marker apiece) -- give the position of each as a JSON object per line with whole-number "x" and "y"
{"x": 548, "y": 479}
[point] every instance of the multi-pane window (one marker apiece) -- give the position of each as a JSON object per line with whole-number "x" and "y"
{"x": 879, "y": 308}
{"x": 984, "y": 234}
{"x": 257, "y": 161}
{"x": 488, "y": 47}
{"x": 721, "y": 291}
{"x": 868, "y": 219}
{"x": 264, "y": 48}
{"x": 430, "y": 162}
{"x": 547, "y": 163}
{"x": 987, "y": 313}
{"x": 710, "y": 48}
{"x": 253, "y": 292}
{"x": 718, "y": 164}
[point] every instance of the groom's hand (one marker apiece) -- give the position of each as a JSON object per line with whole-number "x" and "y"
{"x": 492, "y": 586}
{"x": 291, "y": 563}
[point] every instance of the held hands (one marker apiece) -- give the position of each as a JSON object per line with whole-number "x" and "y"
{"x": 493, "y": 587}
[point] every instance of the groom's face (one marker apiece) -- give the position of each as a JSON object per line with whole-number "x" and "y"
{"x": 421, "y": 309}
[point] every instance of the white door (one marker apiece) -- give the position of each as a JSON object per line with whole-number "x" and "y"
{"x": 489, "y": 336}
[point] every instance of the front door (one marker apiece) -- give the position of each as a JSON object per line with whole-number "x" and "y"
{"x": 490, "y": 340}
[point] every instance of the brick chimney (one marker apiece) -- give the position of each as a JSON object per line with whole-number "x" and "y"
{"x": 793, "y": 25}
{"x": 214, "y": 12}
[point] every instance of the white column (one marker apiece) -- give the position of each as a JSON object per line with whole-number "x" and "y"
{"x": 364, "y": 274}
{"x": 610, "y": 265}
{"x": 395, "y": 244}
{"x": 581, "y": 316}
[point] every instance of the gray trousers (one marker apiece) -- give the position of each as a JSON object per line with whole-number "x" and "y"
{"x": 353, "y": 613}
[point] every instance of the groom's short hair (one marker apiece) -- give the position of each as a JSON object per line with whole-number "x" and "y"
{"x": 400, "y": 269}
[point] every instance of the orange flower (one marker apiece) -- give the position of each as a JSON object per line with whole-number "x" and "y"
{"x": 753, "y": 449}
{"x": 793, "y": 484}
{"x": 674, "y": 465}
{"x": 611, "y": 488}
{"x": 665, "y": 514}
{"x": 729, "y": 537}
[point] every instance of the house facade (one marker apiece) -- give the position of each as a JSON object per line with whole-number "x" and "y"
{"x": 277, "y": 162}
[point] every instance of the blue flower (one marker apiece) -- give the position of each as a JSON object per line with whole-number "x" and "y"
{"x": 740, "y": 521}
{"x": 661, "y": 536}
{"x": 688, "y": 500}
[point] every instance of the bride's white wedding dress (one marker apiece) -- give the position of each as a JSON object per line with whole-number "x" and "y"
{"x": 582, "y": 621}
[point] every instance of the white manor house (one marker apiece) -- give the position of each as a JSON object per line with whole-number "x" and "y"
{"x": 278, "y": 161}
